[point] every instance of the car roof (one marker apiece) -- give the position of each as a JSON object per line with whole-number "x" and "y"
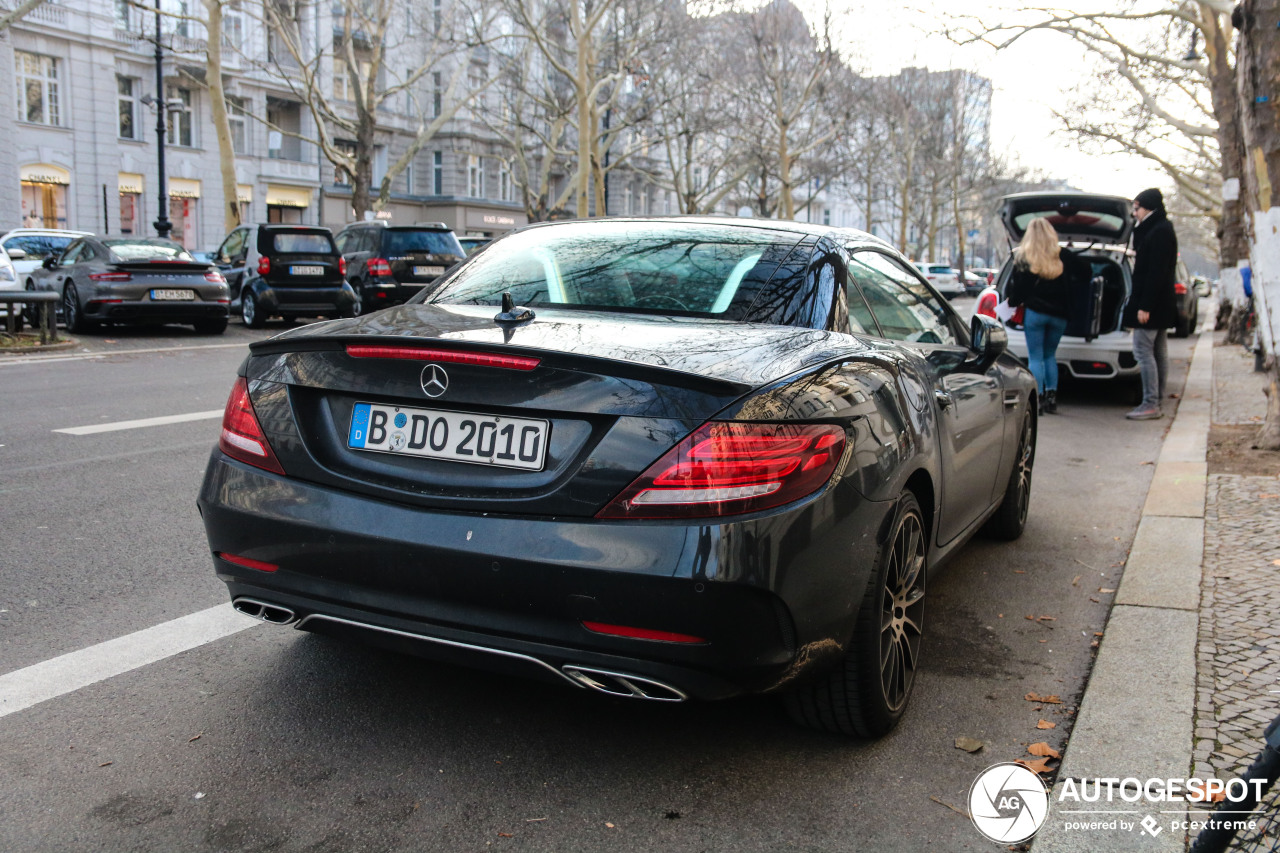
{"x": 44, "y": 232}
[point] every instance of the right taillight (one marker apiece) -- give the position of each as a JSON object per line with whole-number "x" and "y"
{"x": 379, "y": 267}
{"x": 987, "y": 305}
{"x": 730, "y": 467}
{"x": 242, "y": 437}
{"x": 264, "y": 265}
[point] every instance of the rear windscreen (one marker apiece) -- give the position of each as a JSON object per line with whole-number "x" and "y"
{"x": 686, "y": 269}
{"x": 431, "y": 242}
{"x": 302, "y": 244}
{"x": 137, "y": 250}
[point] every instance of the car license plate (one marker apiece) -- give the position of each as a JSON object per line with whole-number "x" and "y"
{"x": 305, "y": 270}
{"x": 428, "y": 270}
{"x": 456, "y": 436}
{"x": 171, "y": 295}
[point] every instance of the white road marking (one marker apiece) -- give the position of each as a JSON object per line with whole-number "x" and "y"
{"x": 142, "y": 422}
{"x": 41, "y": 682}
{"x": 83, "y": 356}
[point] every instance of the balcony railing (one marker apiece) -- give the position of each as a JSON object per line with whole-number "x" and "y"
{"x": 49, "y": 14}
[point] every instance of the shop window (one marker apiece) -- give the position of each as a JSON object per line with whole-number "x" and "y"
{"x": 37, "y": 85}
{"x": 131, "y": 214}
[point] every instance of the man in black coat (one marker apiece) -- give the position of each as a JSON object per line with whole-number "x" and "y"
{"x": 1153, "y": 305}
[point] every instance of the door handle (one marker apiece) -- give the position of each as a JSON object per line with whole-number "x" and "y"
{"x": 943, "y": 398}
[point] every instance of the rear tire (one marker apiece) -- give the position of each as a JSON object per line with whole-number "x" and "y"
{"x": 72, "y": 313}
{"x": 1011, "y": 518}
{"x": 249, "y": 311}
{"x": 868, "y": 692}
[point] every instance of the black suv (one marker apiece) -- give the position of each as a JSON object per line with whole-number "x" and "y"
{"x": 284, "y": 270}
{"x": 386, "y": 264}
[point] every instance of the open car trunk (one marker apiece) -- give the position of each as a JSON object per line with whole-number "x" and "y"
{"x": 1097, "y": 309}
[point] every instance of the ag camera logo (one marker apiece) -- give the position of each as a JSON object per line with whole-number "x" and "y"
{"x": 1008, "y": 803}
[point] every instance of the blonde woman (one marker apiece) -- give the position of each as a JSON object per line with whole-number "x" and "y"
{"x": 1043, "y": 276}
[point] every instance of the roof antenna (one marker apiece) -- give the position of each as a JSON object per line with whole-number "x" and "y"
{"x": 511, "y": 313}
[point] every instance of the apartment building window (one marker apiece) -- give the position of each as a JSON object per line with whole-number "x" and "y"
{"x": 475, "y": 176}
{"x": 408, "y": 178}
{"x": 437, "y": 173}
{"x": 505, "y": 188}
{"x": 627, "y": 200}
{"x": 284, "y": 118}
{"x": 437, "y": 95}
{"x": 181, "y": 117}
{"x": 37, "y": 83}
{"x": 120, "y": 9}
{"x": 437, "y": 15}
{"x": 232, "y": 27}
{"x": 237, "y": 113}
{"x": 342, "y": 177}
{"x": 127, "y": 101}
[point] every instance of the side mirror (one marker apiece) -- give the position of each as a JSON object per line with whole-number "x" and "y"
{"x": 988, "y": 341}
{"x": 49, "y": 262}
{"x": 16, "y": 254}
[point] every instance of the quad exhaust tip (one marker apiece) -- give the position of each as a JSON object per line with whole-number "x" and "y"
{"x": 624, "y": 684}
{"x": 272, "y": 613}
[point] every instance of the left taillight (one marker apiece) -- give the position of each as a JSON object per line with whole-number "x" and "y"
{"x": 1179, "y": 288}
{"x": 729, "y": 467}
{"x": 342, "y": 266}
{"x": 214, "y": 277}
{"x": 242, "y": 437}
{"x": 110, "y": 276}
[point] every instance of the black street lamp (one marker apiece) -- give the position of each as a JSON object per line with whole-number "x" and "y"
{"x": 162, "y": 223}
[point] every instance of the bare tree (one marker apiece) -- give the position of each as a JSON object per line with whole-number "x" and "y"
{"x": 1259, "y": 75}
{"x": 11, "y": 16}
{"x": 1162, "y": 99}
{"x": 350, "y": 87}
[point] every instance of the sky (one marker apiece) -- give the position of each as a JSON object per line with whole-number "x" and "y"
{"x": 1028, "y": 80}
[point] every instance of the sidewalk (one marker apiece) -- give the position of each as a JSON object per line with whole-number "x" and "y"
{"x": 1186, "y": 675}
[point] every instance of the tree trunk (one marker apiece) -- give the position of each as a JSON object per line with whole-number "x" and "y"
{"x": 586, "y": 129}
{"x": 1258, "y": 76}
{"x": 221, "y": 126}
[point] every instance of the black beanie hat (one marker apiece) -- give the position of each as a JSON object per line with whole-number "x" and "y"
{"x": 1151, "y": 199}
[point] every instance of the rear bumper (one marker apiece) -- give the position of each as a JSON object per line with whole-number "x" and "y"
{"x": 169, "y": 312}
{"x": 374, "y": 295}
{"x": 773, "y": 597}
{"x": 1108, "y": 356}
{"x": 304, "y": 301}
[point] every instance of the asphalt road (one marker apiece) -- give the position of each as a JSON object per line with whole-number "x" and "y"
{"x": 273, "y": 740}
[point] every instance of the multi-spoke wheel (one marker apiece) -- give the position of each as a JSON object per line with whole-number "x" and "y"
{"x": 1011, "y": 519}
{"x": 867, "y": 694}
{"x": 249, "y": 311}
{"x": 72, "y": 313}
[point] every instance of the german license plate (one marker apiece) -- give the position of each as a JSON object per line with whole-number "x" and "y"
{"x": 172, "y": 295}
{"x": 305, "y": 270}
{"x": 456, "y": 436}
{"x": 428, "y": 270}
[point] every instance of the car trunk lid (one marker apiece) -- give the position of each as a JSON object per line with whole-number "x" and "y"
{"x": 606, "y": 396}
{"x": 1077, "y": 217}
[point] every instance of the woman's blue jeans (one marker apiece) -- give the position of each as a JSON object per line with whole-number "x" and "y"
{"x": 1043, "y": 332}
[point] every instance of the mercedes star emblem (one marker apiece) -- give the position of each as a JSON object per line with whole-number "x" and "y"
{"x": 434, "y": 380}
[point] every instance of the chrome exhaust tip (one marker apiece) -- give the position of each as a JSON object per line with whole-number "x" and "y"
{"x": 624, "y": 684}
{"x": 272, "y": 613}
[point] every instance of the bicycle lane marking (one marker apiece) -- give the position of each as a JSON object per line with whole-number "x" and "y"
{"x": 67, "y": 673}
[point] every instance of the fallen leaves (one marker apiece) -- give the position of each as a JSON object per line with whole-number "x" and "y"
{"x": 969, "y": 744}
{"x": 1105, "y": 590}
{"x": 1043, "y": 750}
{"x": 196, "y": 738}
{"x": 1048, "y": 700}
{"x": 1045, "y": 724}
{"x": 1040, "y": 765}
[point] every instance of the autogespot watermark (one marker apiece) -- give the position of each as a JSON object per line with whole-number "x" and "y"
{"x": 1008, "y": 804}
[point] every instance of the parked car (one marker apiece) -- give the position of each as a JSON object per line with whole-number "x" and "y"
{"x": 284, "y": 271}
{"x": 9, "y": 281}
{"x": 27, "y": 248}
{"x": 1188, "y": 302}
{"x": 471, "y": 245}
{"x": 1201, "y": 285}
{"x": 134, "y": 280}
{"x": 988, "y": 275}
{"x": 386, "y": 264}
{"x": 944, "y": 279}
{"x": 974, "y": 282}
{"x": 1097, "y": 227}
{"x": 655, "y": 458}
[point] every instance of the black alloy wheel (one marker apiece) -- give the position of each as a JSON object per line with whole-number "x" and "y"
{"x": 72, "y": 313}
{"x": 1011, "y": 518}
{"x": 868, "y": 692}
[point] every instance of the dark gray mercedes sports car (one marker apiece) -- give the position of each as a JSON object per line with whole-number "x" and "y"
{"x": 655, "y": 458}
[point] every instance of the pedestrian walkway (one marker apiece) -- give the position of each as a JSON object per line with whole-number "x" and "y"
{"x": 1188, "y": 672}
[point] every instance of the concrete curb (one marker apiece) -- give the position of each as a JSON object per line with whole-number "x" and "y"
{"x": 1137, "y": 715}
